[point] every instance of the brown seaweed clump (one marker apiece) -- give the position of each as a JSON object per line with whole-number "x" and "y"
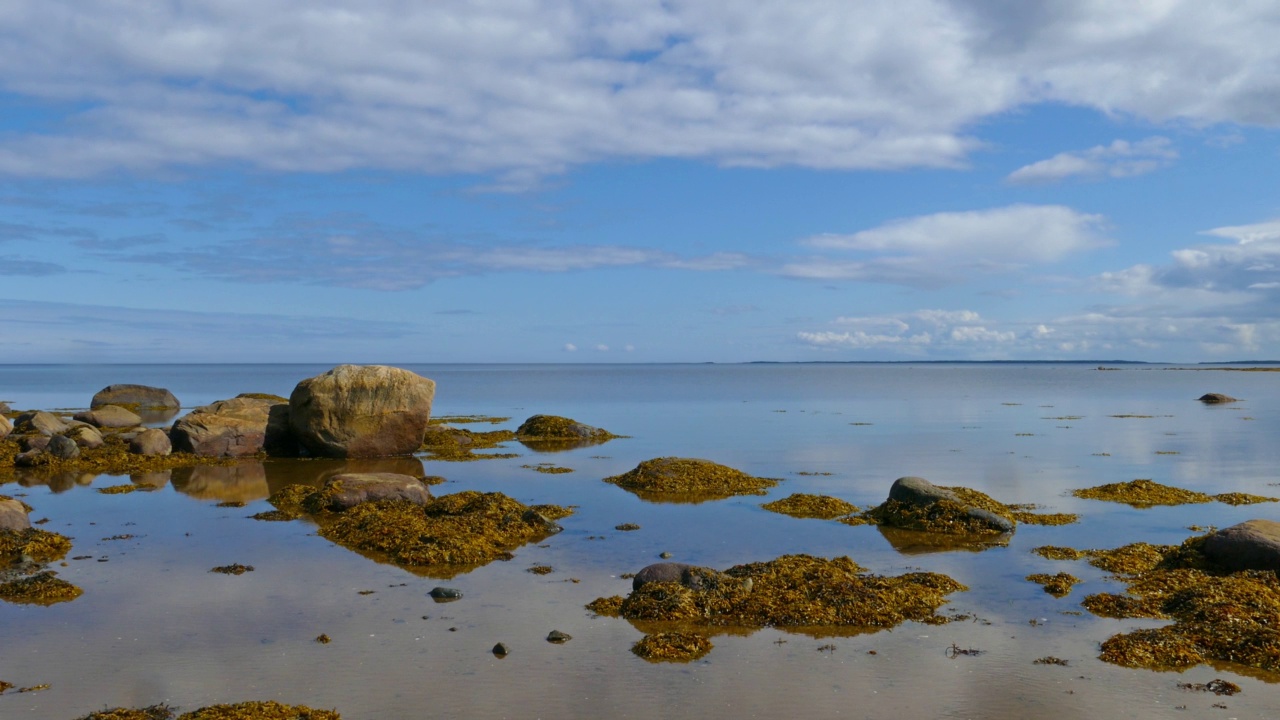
{"x": 239, "y": 711}
{"x": 39, "y": 545}
{"x": 672, "y": 647}
{"x": 1058, "y": 585}
{"x": 1218, "y": 616}
{"x": 802, "y": 505}
{"x": 793, "y": 591}
{"x": 1144, "y": 493}
{"x": 955, "y": 510}
{"x": 552, "y": 433}
{"x": 449, "y": 534}
{"x": 691, "y": 480}
{"x": 441, "y": 442}
{"x": 43, "y": 588}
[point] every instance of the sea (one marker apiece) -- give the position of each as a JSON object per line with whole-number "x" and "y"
{"x": 154, "y": 625}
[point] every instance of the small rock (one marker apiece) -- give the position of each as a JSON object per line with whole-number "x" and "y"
{"x": 34, "y": 442}
{"x": 1216, "y": 398}
{"x": 109, "y": 416}
{"x": 445, "y": 594}
{"x": 501, "y": 650}
{"x": 664, "y": 555}
{"x": 350, "y": 489}
{"x": 30, "y": 458}
{"x": 63, "y": 448}
{"x": 86, "y": 436}
{"x": 6, "y": 427}
{"x": 151, "y": 442}
{"x": 559, "y": 638}
{"x": 690, "y": 576}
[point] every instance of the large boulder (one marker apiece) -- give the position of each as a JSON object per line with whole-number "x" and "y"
{"x": 13, "y": 515}
{"x": 350, "y": 489}
{"x": 6, "y": 427}
{"x": 227, "y": 428}
{"x": 40, "y": 422}
{"x": 136, "y": 397}
{"x": 109, "y": 416}
{"x": 151, "y": 442}
{"x": 1250, "y": 545}
{"x": 361, "y": 411}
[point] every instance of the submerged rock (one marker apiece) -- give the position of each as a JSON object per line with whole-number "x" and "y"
{"x": 109, "y": 416}
{"x": 151, "y": 442}
{"x": 672, "y": 479}
{"x": 361, "y": 411}
{"x": 350, "y": 489}
{"x": 135, "y": 397}
{"x": 1250, "y": 545}
{"x": 228, "y": 428}
{"x": 1216, "y": 399}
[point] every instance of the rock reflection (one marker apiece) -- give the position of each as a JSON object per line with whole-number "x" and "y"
{"x": 917, "y": 542}
{"x": 282, "y": 472}
{"x": 242, "y": 482}
{"x": 152, "y": 479}
{"x": 56, "y": 482}
{"x": 556, "y": 446}
{"x": 157, "y": 418}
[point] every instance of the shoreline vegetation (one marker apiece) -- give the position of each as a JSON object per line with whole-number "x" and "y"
{"x": 1220, "y": 607}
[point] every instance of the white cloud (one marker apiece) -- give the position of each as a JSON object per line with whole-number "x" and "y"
{"x": 602, "y": 348}
{"x": 525, "y": 89}
{"x": 570, "y": 347}
{"x": 1118, "y": 160}
{"x": 943, "y": 248}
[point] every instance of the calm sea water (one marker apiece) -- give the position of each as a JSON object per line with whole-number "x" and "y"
{"x": 154, "y": 625}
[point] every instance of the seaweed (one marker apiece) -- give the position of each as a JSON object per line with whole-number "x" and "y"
{"x": 154, "y": 712}
{"x": 1142, "y": 493}
{"x": 112, "y": 458}
{"x": 259, "y": 711}
{"x": 441, "y": 442}
{"x": 802, "y": 505}
{"x": 39, "y": 545}
{"x": 449, "y": 534}
{"x": 672, "y": 647}
{"x": 1058, "y": 585}
{"x": 43, "y": 588}
{"x": 689, "y": 480}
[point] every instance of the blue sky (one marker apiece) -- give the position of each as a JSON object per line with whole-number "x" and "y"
{"x": 636, "y": 181}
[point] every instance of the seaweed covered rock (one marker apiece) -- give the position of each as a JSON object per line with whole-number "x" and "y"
{"x": 237, "y": 427}
{"x": 671, "y": 479}
{"x": 347, "y": 490}
{"x": 445, "y": 536}
{"x": 672, "y": 647}
{"x": 109, "y": 416}
{"x": 1216, "y": 399}
{"x": 135, "y": 397}
{"x": 1145, "y": 493}
{"x": 803, "y": 505}
{"x": 793, "y": 591}
{"x": 689, "y": 576}
{"x": 550, "y": 433}
{"x": 1250, "y": 545}
{"x": 361, "y": 411}
{"x": 257, "y": 710}
{"x": 42, "y": 588}
{"x": 13, "y": 514}
{"x": 444, "y": 442}
{"x": 917, "y": 504}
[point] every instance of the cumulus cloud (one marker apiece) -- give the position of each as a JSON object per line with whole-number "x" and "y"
{"x": 520, "y": 90}
{"x": 938, "y": 249}
{"x": 1118, "y": 160}
{"x": 917, "y": 333}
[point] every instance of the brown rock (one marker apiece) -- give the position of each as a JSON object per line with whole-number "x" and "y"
{"x": 6, "y": 427}
{"x": 227, "y": 428}
{"x": 85, "y": 436}
{"x": 151, "y": 442}
{"x": 1250, "y": 545}
{"x": 39, "y": 422}
{"x": 361, "y": 411}
{"x": 13, "y": 516}
{"x": 109, "y": 416}
{"x": 351, "y": 489}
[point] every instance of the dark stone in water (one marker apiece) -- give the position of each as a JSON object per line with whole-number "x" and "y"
{"x": 444, "y": 594}
{"x": 557, "y": 637}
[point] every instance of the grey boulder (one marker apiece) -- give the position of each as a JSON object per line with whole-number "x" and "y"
{"x": 63, "y": 448}
{"x": 228, "y": 428}
{"x": 919, "y": 492}
{"x": 361, "y": 411}
{"x": 140, "y": 397}
{"x": 1250, "y": 545}
{"x": 13, "y": 515}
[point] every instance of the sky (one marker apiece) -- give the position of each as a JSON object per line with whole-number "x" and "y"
{"x": 471, "y": 181}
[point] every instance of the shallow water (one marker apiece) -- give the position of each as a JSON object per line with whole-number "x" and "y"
{"x": 154, "y": 625}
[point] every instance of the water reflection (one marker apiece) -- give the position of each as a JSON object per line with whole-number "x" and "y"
{"x": 251, "y": 480}
{"x": 242, "y": 482}
{"x": 152, "y": 479}
{"x": 916, "y": 542}
{"x": 57, "y": 482}
{"x": 557, "y": 446}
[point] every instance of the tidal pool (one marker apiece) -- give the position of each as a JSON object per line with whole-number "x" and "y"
{"x": 154, "y": 624}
